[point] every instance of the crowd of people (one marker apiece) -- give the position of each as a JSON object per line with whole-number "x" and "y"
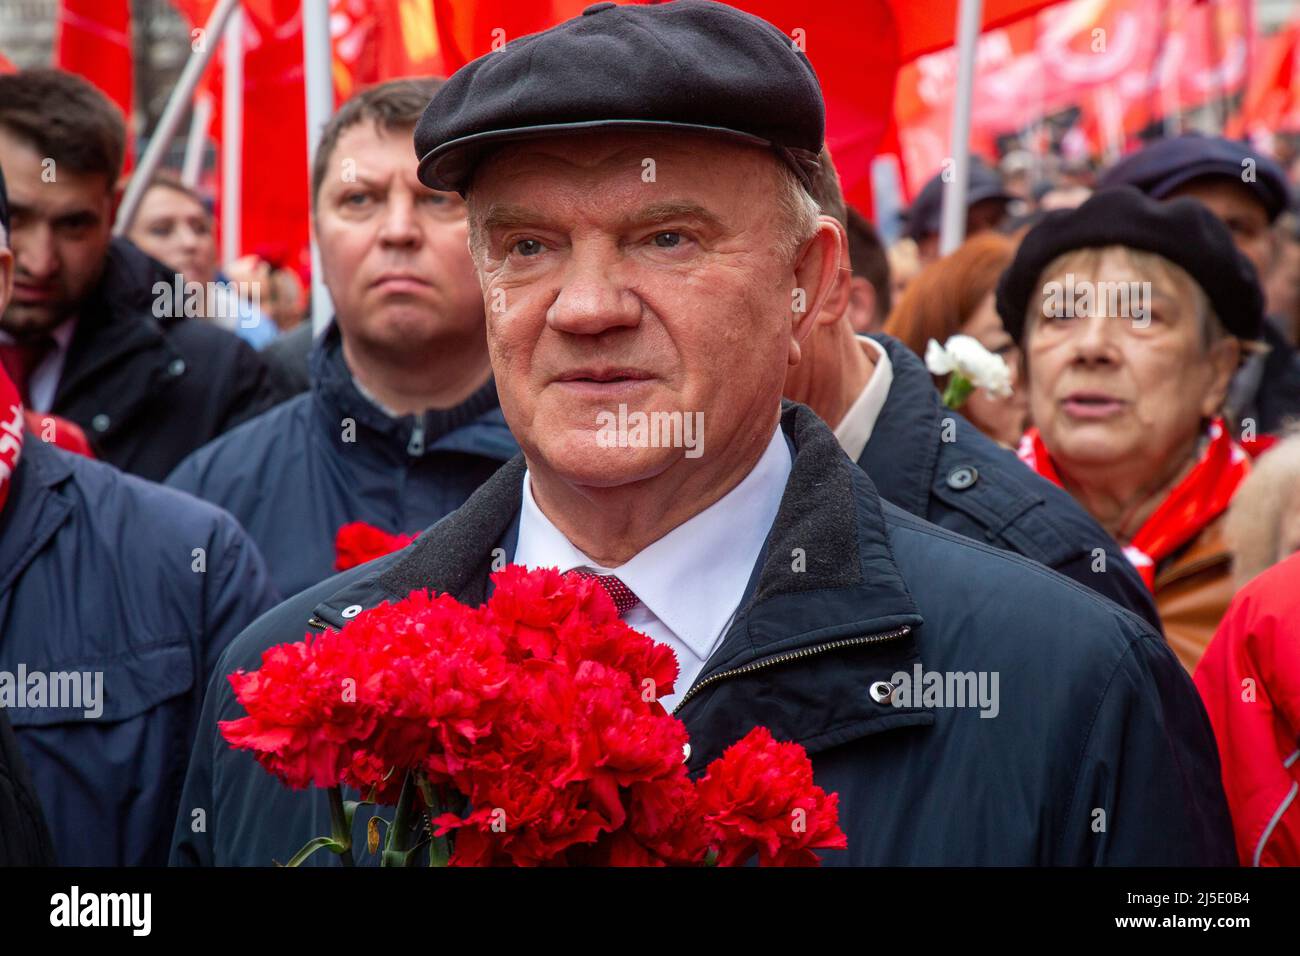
{"x": 1115, "y": 538}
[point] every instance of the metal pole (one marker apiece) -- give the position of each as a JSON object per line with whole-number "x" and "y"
{"x": 952, "y": 227}
{"x": 171, "y": 117}
{"x": 200, "y": 117}
{"x": 232, "y": 139}
{"x": 318, "y": 55}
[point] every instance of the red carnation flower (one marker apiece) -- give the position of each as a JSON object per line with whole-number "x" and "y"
{"x": 759, "y": 796}
{"x": 358, "y": 542}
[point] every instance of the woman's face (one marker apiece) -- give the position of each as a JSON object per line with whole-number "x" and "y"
{"x": 1002, "y": 419}
{"x": 177, "y": 231}
{"x": 1122, "y": 384}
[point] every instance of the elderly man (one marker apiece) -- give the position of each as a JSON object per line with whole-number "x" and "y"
{"x": 644, "y": 239}
{"x": 886, "y": 413}
{"x": 401, "y": 423}
{"x": 116, "y": 598}
{"x": 1130, "y": 314}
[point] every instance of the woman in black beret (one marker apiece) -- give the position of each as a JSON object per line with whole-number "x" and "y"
{"x": 1130, "y": 314}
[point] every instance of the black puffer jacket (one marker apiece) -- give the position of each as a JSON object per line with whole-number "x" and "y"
{"x": 149, "y": 390}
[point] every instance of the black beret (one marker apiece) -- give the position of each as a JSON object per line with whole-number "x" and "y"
{"x": 690, "y": 65}
{"x": 1164, "y": 166}
{"x": 1181, "y": 230}
{"x": 4, "y": 204}
{"x": 924, "y": 215}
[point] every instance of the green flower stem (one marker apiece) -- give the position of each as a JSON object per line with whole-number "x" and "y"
{"x": 396, "y": 843}
{"x": 958, "y": 390}
{"x": 341, "y": 826}
{"x": 439, "y": 847}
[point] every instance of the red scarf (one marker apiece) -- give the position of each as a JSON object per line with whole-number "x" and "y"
{"x": 11, "y": 433}
{"x": 1193, "y": 503}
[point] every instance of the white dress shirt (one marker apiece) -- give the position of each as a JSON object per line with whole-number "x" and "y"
{"x": 691, "y": 580}
{"x": 854, "y": 430}
{"x": 44, "y": 380}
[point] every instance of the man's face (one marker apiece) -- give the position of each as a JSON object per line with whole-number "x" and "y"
{"x": 60, "y": 227}
{"x": 393, "y": 252}
{"x": 639, "y": 271}
{"x": 1107, "y": 390}
{"x": 1241, "y": 212}
{"x": 177, "y": 231}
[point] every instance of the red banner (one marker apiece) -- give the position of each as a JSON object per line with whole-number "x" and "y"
{"x": 94, "y": 41}
{"x": 1123, "y": 63}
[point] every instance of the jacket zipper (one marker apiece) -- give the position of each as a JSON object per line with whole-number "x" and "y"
{"x": 753, "y": 665}
{"x": 791, "y": 656}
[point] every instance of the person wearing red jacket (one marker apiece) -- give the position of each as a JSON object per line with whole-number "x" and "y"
{"x": 1249, "y": 679}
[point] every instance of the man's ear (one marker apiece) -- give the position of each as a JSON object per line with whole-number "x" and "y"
{"x": 862, "y": 306}
{"x": 816, "y": 274}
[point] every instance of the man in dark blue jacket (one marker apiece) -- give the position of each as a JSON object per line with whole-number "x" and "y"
{"x": 116, "y": 598}
{"x": 882, "y": 404}
{"x": 968, "y": 706}
{"x": 402, "y": 422}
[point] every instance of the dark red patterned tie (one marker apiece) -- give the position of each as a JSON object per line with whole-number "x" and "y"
{"x": 20, "y": 360}
{"x": 622, "y": 596}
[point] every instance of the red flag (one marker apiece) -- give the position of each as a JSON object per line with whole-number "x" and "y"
{"x": 94, "y": 41}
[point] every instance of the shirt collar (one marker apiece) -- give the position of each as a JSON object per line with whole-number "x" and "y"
{"x": 61, "y": 333}
{"x": 854, "y": 430}
{"x": 693, "y": 578}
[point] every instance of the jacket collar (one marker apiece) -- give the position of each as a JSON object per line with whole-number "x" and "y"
{"x": 903, "y": 451}
{"x": 117, "y": 325}
{"x": 35, "y": 509}
{"x": 827, "y": 579}
{"x": 476, "y": 426}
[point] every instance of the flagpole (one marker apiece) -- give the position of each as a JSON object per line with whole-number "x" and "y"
{"x": 318, "y": 55}
{"x": 171, "y": 116}
{"x": 952, "y": 227}
{"x": 200, "y": 117}
{"x": 232, "y": 139}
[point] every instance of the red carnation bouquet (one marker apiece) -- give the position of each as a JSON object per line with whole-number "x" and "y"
{"x": 524, "y": 732}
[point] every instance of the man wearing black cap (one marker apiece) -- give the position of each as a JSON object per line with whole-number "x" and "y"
{"x": 636, "y": 180}
{"x": 986, "y": 207}
{"x": 127, "y": 592}
{"x": 1247, "y": 191}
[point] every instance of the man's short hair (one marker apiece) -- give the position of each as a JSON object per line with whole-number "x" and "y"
{"x": 64, "y": 118}
{"x": 392, "y": 107}
{"x": 866, "y": 252}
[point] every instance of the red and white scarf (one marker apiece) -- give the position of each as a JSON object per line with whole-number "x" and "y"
{"x": 11, "y": 433}
{"x": 1194, "y": 502}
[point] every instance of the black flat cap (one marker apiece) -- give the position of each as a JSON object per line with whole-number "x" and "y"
{"x": 1164, "y": 166}
{"x": 690, "y": 65}
{"x": 923, "y": 217}
{"x": 1181, "y": 230}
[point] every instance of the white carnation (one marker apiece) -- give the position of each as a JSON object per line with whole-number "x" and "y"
{"x": 971, "y": 360}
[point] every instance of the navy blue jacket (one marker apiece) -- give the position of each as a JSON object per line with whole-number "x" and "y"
{"x": 1100, "y": 751}
{"x": 297, "y": 473}
{"x": 100, "y": 572}
{"x": 929, "y": 460}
